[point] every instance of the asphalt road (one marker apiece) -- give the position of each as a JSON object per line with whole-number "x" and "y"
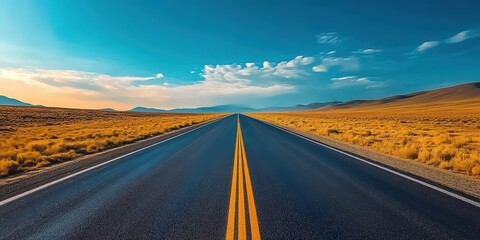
{"x": 225, "y": 180}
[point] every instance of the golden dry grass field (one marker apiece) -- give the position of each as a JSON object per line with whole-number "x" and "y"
{"x": 448, "y": 140}
{"x": 33, "y": 137}
{"x": 439, "y": 127}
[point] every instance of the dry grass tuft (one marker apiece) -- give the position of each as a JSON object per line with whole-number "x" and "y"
{"x": 32, "y": 137}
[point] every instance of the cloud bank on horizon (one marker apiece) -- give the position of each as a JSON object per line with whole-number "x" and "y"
{"x": 272, "y": 62}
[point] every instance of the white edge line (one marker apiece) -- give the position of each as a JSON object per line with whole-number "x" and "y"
{"x": 467, "y": 200}
{"x": 11, "y": 199}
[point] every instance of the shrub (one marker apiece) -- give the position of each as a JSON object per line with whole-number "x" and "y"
{"x": 476, "y": 170}
{"x": 7, "y": 167}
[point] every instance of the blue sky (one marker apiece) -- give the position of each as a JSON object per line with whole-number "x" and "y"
{"x": 167, "y": 54}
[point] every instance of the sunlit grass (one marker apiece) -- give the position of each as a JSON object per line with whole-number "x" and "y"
{"x": 31, "y": 138}
{"x": 448, "y": 140}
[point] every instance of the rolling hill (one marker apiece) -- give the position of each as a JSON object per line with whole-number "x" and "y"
{"x": 145, "y": 109}
{"x": 213, "y": 109}
{"x": 464, "y": 96}
{"x": 237, "y": 108}
{"x": 12, "y": 102}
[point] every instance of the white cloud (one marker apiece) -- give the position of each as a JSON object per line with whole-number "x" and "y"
{"x": 346, "y": 64}
{"x": 457, "y": 38}
{"x": 351, "y": 81}
{"x": 368, "y": 51}
{"x": 159, "y": 75}
{"x": 66, "y": 77}
{"x": 266, "y": 64}
{"x": 319, "y": 68}
{"x": 347, "y": 78}
{"x": 427, "y": 45}
{"x": 295, "y": 68}
{"x": 462, "y": 36}
{"x": 328, "y": 38}
{"x": 331, "y": 52}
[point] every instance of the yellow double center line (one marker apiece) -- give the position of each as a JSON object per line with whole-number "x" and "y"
{"x": 241, "y": 174}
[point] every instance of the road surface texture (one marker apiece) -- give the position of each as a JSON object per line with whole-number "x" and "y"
{"x": 234, "y": 180}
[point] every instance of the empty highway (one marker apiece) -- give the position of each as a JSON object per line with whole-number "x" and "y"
{"x": 237, "y": 178}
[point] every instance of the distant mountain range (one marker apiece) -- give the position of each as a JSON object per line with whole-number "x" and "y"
{"x": 466, "y": 94}
{"x": 145, "y": 109}
{"x": 213, "y": 109}
{"x": 12, "y": 102}
{"x": 299, "y": 107}
{"x": 237, "y": 108}
{"x": 219, "y": 108}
